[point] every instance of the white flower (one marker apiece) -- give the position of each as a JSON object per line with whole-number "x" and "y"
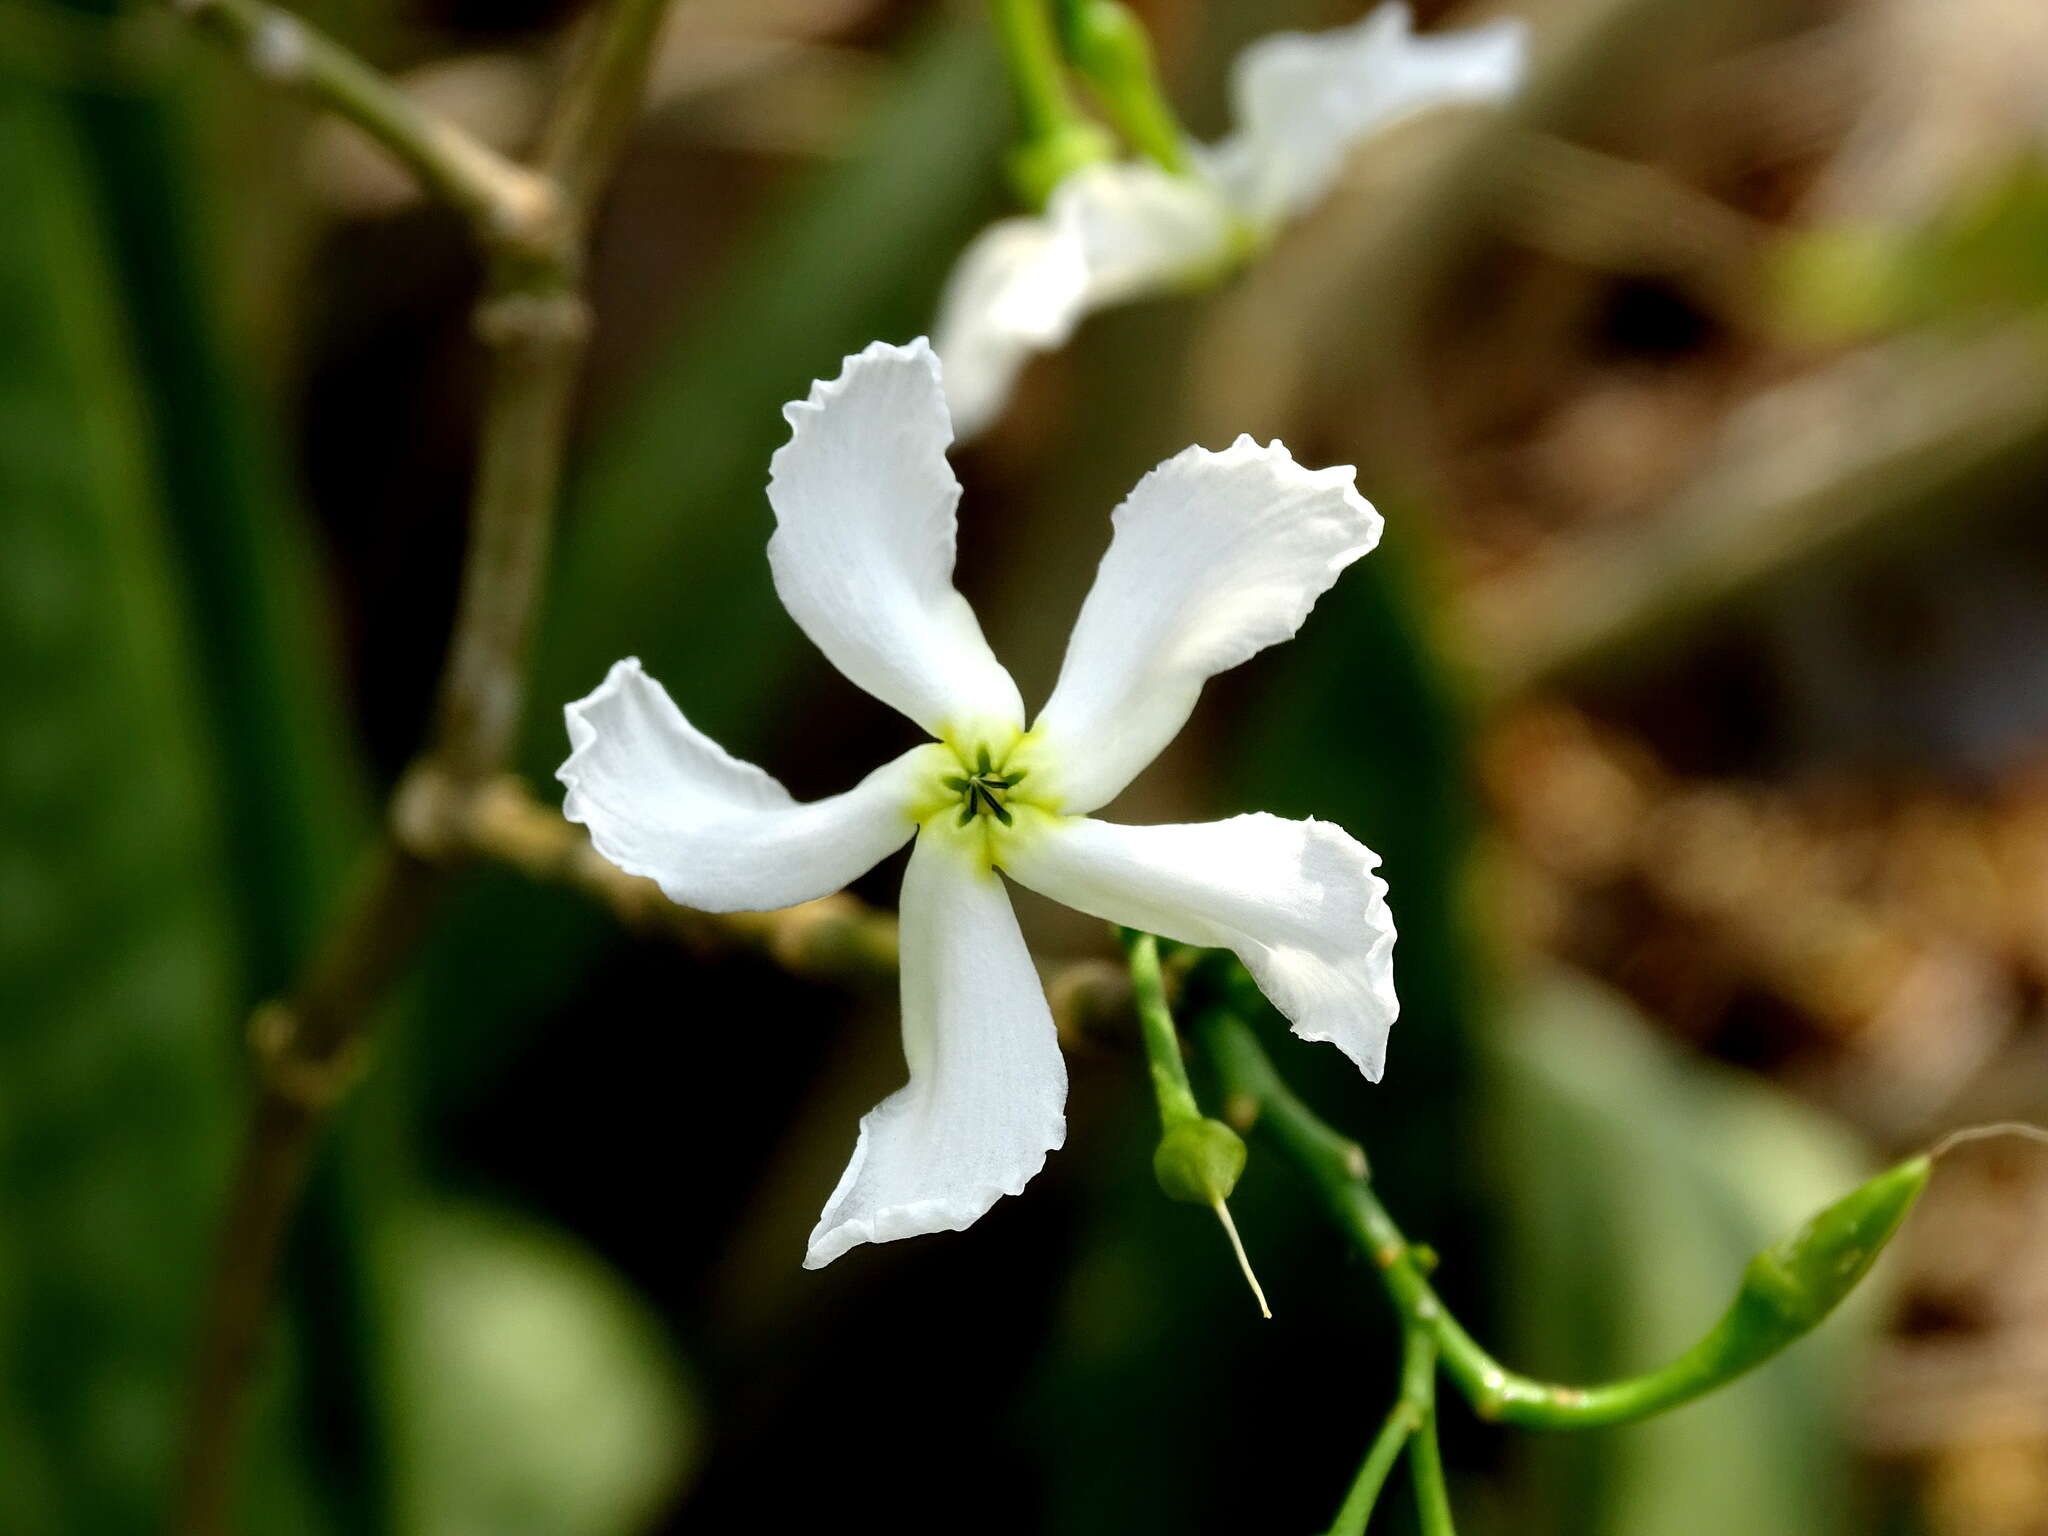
{"x": 1214, "y": 556}
{"x": 1115, "y": 232}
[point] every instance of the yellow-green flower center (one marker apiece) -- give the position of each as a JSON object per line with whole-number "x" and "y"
{"x": 988, "y": 786}
{"x": 984, "y": 789}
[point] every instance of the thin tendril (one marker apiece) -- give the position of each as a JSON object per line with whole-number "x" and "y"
{"x": 1992, "y": 1132}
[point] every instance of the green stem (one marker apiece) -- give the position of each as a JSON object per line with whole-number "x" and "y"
{"x": 1411, "y": 1410}
{"x": 1785, "y": 1291}
{"x": 1169, "y": 1069}
{"x": 1033, "y": 55}
{"x": 1426, "y": 1471}
{"x": 1058, "y": 138}
{"x": 600, "y": 100}
{"x": 1113, "y": 52}
{"x": 507, "y": 202}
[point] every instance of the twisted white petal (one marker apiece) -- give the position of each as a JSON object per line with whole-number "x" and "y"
{"x": 661, "y": 799}
{"x": 987, "y": 1091}
{"x": 1018, "y": 289}
{"x": 863, "y": 548}
{"x": 1297, "y": 901}
{"x": 1141, "y": 229}
{"x": 1109, "y": 234}
{"x": 1214, "y": 557}
{"x": 1303, "y": 101}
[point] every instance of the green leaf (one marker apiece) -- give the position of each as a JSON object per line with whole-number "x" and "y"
{"x": 117, "y": 1086}
{"x": 286, "y": 778}
{"x": 1360, "y": 724}
{"x": 1353, "y": 722}
{"x": 541, "y": 1395}
{"x": 243, "y": 547}
{"x": 1637, "y": 1181}
{"x": 1977, "y": 257}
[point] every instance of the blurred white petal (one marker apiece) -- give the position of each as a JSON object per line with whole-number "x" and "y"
{"x": 661, "y": 799}
{"x": 1141, "y": 230}
{"x": 1017, "y": 290}
{"x": 988, "y": 1087}
{"x": 1110, "y": 233}
{"x": 863, "y": 548}
{"x": 1296, "y": 901}
{"x": 1303, "y": 101}
{"x": 1214, "y": 557}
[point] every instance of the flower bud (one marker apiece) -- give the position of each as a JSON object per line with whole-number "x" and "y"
{"x": 1107, "y": 42}
{"x": 1798, "y": 1282}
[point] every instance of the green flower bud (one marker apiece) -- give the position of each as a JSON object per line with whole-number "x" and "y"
{"x": 1798, "y": 1282}
{"x": 1107, "y": 42}
{"x": 1199, "y": 1161}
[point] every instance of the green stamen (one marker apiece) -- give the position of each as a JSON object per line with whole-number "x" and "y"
{"x": 982, "y": 788}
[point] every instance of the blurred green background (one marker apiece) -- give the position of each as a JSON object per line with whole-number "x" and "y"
{"x": 1696, "y": 701}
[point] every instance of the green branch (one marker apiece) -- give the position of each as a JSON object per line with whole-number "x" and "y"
{"x": 1785, "y": 1292}
{"x": 600, "y": 100}
{"x": 1426, "y": 1470}
{"x": 1415, "y": 1405}
{"x": 508, "y": 203}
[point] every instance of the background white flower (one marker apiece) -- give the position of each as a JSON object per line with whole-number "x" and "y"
{"x": 1214, "y": 556}
{"x": 1115, "y": 232}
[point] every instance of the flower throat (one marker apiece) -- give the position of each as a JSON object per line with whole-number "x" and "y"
{"x": 983, "y": 791}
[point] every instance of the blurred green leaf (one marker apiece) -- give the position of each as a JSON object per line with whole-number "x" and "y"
{"x": 117, "y": 1086}
{"x": 286, "y": 776}
{"x": 1363, "y": 726}
{"x": 243, "y": 546}
{"x": 1636, "y": 1182}
{"x": 1977, "y": 256}
{"x": 540, "y": 1396}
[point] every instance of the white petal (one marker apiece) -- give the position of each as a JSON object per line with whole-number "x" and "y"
{"x": 1018, "y": 289}
{"x": 661, "y": 799}
{"x": 1297, "y": 901}
{"x": 987, "y": 1092}
{"x": 1141, "y": 230}
{"x": 1304, "y": 100}
{"x": 1110, "y": 233}
{"x": 863, "y": 548}
{"x": 1215, "y": 556}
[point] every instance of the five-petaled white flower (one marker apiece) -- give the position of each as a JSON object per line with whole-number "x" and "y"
{"x": 1214, "y": 556}
{"x": 1116, "y": 232}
